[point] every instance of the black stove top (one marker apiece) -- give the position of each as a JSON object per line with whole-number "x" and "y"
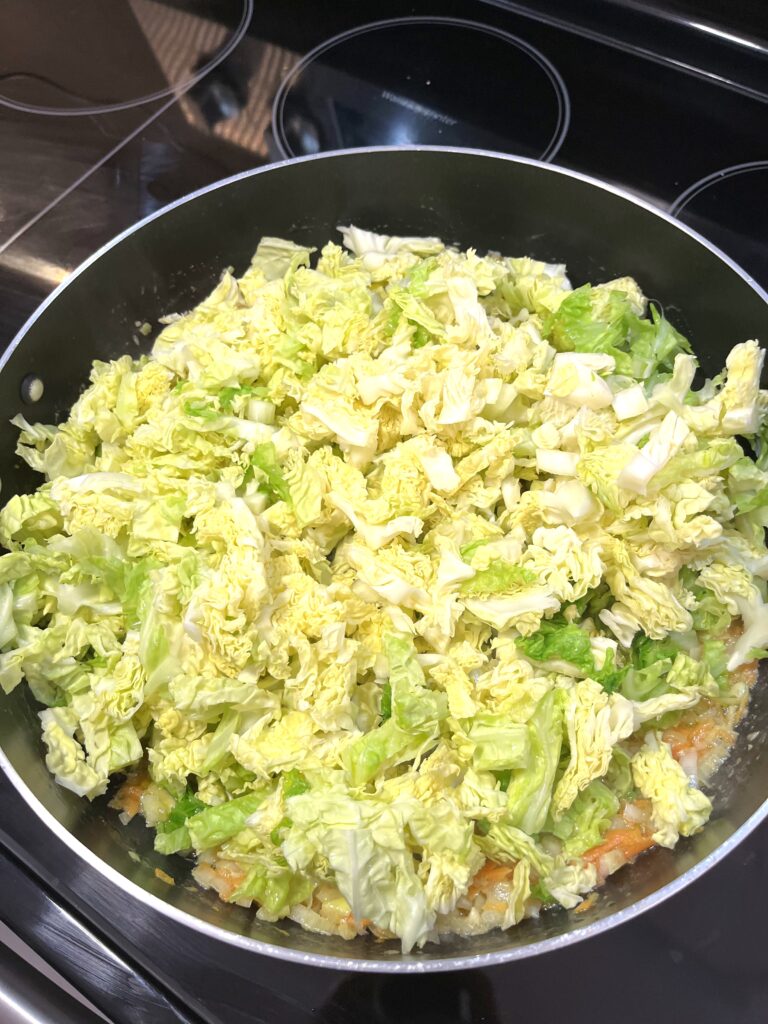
{"x": 109, "y": 110}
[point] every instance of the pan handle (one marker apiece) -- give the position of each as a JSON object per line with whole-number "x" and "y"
{"x": 107, "y": 978}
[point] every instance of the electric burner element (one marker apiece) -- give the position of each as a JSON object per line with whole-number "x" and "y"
{"x": 728, "y": 207}
{"x": 126, "y": 55}
{"x": 428, "y": 80}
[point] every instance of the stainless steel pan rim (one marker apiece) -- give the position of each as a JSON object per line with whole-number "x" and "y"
{"x": 410, "y": 964}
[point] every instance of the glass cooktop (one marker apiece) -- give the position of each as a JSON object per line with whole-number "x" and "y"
{"x": 109, "y": 109}
{"x": 394, "y": 83}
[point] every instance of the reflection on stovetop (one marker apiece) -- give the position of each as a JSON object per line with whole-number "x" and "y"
{"x": 80, "y": 78}
{"x": 303, "y": 79}
{"x": 102, "y": 74}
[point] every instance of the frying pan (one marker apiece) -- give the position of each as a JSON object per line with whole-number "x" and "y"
{"x": 171, "y": 260}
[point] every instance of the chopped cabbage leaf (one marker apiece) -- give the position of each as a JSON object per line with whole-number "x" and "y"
{"x": 387, "y": 560}
{"x": 679, "y": 808}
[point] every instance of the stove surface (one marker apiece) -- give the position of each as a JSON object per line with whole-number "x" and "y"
{"x": 108, "y": 111}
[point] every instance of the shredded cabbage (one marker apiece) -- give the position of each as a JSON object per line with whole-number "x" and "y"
{"x": 387, "y": 571}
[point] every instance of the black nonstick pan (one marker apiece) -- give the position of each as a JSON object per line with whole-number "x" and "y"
{"x": 169, "y": 261}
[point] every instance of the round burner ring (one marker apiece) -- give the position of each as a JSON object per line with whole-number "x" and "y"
{"x": 714, "y": 178}
{"x": 727, "y": 206}
{"x": 180, "y": 87}
{"x": 555, "y": 78}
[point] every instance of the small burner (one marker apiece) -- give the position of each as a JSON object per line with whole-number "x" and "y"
{"x": 127, "y": 54}
{"x": 729, "y": 208}
{"x": 427, "y": 80}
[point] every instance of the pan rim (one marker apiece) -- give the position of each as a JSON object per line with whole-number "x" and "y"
{"x": 411, "y": 964}
{"x": 333, "y": 154}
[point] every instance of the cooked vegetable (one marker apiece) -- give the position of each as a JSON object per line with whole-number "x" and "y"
{"x": 408, "y": 584}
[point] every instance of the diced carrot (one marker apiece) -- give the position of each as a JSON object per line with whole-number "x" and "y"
{"x": 587, "y": 904}
{"x": 364, "y": 922}
{"x": 164, "y": 876}
{"x": 128, "y": 798}
{"x": 629, "y": 841}
{"x": 700, "y": 736}
{"x": 496, "y": 906}
{"x": 224, "y": 876}
{"x": 491, "y": 873}
{"x": 636, "y": 812}
{"x": 745, "y": 673}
